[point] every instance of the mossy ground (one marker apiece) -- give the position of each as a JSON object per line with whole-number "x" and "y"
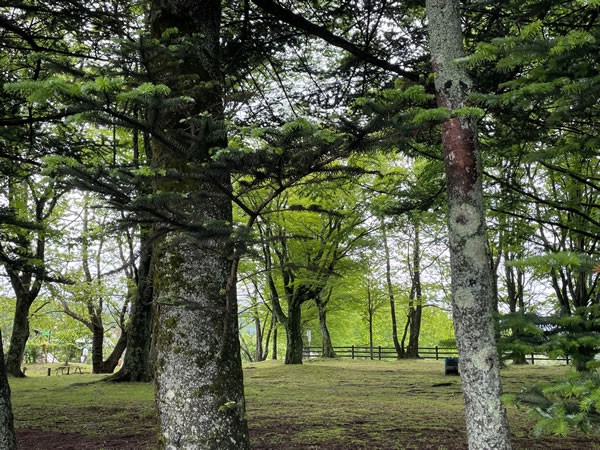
{"x": 339, "y": 404}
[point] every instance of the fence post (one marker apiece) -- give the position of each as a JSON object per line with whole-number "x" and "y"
{"x": 567, "y": 358}
{"x": 379, "y": 353}
{"x": 532, "y": 359}
{"x": 353, "y": 352}
{"x": 437, "y": 353}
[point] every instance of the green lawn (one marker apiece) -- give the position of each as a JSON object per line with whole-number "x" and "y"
{"x": 341, "y": 404}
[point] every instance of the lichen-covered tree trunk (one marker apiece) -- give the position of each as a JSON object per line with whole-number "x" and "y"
{"x": 472, "y": 291}
{"x": 198, "y": 370}
{"x": 7, "y": 428}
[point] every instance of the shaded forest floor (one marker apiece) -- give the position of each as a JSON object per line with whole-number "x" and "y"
{"x": 331, "y": 405}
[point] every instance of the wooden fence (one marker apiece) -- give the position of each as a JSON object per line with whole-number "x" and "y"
{"x": 383, "y": 353}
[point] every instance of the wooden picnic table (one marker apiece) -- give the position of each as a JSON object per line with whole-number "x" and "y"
{"x": 67, "y": 368}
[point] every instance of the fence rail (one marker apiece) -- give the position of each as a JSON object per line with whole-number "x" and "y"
{"x": 383, "y": 353}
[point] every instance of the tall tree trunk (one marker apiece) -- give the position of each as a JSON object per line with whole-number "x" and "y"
{"x": 514, "y": 294}
{"x": 472, "y": 291}
{"x": 371, "y": 334}
{"x": 293, "y": 354}
{"x": 7, "y": 429}
{"x": 19, "y": 337}
{"x": 327, "y": 351}
{"x": 97, "y": 346}
{"x": 25, "y": 278}
{"x": 390, "y": 287}
{"x": 198, "y": 370}
{"x": 415, "y": 306}
{"x": 274, "y": 352}
{"x": 137, "y": 363}
{"x": 267, "y": 340}
{"x": 258, "y": 352}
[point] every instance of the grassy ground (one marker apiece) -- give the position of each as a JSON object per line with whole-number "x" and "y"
{"x": 342, "y": 404}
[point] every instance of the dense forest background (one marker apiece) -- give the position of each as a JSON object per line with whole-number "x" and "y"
{"x": 282, "y": 161}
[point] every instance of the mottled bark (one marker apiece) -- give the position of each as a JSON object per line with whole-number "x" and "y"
{"x": 7, "y": 429}
{"x": 472, "y": 291}
{"x": 198, "y": 371}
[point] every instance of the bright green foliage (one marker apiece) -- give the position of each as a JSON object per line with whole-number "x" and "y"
{"x": 571, "y": 403}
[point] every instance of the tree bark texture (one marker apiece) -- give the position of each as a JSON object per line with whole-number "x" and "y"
{"x": 198, "y": 370}
{"x": 327, "y": 350}
{"x": 7, "y": 429}
{"x": 97, "y": 344}
{"x": 293, "y": 354}
{"x": 472, "y": 291}
{"x": 19, "y": 336}
{"x": 137, "y": 365}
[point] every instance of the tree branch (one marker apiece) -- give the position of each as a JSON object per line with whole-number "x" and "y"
{"x": 274, "y": 9}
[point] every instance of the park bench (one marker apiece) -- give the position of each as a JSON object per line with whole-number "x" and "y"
{"x": 67, "y": 368}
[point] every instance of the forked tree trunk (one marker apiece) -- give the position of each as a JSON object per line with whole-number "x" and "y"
{"x": 111, "y": 362}
{"x": 198, "y": 369}
{"x": 7, "y": 428}
{"x": 472, "y": 291}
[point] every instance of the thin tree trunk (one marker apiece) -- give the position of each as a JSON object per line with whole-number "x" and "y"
{"x": 7, "y": 428}
{"x": 416, "y": 300}
{"x": 275, "y": 340}
{"x": 327, "y": 350}
{"x": 258, "y": 338}
{"x": 390, "y": 287}
{"x": 472, "y": 290}
{"x": 371, "y": 334}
